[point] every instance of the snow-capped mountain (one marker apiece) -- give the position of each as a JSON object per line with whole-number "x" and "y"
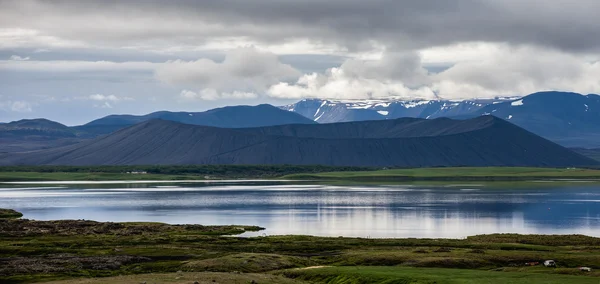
{"x": 569, "y": 119}
{"x": 329, "y": 111}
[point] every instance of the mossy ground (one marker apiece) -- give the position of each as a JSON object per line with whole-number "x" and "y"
{"x": 38, "y": 251}
{"x": 9, "y": 214}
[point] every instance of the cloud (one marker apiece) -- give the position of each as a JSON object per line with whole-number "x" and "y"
{"x": 75, "y": 66}
{"x": 16, "y": 106}
{"x": 394, "y": 75}
{"x": 509, "y": 71}
{"x": 108, "y": 98}
{"x": 519, "y": 71}
{"x": 244, "y": 69}
{"x": 347, "y": 24}
{"x": 18, "y": 58}
{"x": 212, "y": 94}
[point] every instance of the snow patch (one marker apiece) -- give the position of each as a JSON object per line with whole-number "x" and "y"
{"x": 319, "y": 109}
{"x": 383, "y": 112}
{"x": 517, "y": 103}
{"x": 414, "y": 104}
{"x": 320, "y": 116}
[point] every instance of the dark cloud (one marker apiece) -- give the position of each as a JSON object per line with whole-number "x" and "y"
{"x": 355, "y": 24}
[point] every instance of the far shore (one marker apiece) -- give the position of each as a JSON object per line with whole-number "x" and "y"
{"x": 172, "y": 174}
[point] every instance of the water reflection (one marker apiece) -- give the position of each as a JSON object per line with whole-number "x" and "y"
{"x": 362, "y": 211}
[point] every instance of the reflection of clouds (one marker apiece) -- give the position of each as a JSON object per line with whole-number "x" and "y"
{"x": 377, "y": 211}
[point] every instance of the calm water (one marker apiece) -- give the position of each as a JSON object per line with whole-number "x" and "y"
{"x": 325, "y": 210}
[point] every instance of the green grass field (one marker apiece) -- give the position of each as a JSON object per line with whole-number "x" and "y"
{"x": 466, "y": 173}
{"x": 400, "y": 175}
{"x": 61, "y": 176}
{"x": 384, "y": 275}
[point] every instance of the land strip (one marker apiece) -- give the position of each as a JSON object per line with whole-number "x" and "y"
{"x": 38, "y": 251}
{"x": 454, "y": 174}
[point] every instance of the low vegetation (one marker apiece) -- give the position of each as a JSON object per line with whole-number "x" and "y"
{"x": 9, "y": 214}
{"x": 70, "y": 250}
{"x": 363, "y": 274}
{"x": 191, "y": 172}
{"x": 450, "y": 174}
{"x": 322, "y": 173}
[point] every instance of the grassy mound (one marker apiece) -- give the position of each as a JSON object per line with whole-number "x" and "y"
{"x": 9, "y": 214}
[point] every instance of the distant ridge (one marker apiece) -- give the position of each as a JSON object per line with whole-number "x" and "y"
{"x": 482, "y": 141}
{"x": 225, "y": 117}
{"x": 36, "y": 134}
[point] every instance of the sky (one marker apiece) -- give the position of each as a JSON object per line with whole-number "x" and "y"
{"x": 75, "y": 61}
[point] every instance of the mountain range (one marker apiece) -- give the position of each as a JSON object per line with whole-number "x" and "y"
{"x": 570, "y": 119}
{"x": 35, "y": 134}
{"x": 406, "y": 142}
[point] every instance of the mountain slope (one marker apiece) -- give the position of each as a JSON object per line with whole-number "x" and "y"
{"x": 482, "y": 141}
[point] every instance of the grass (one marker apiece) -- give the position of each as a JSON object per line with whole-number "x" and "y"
{"x": 187, "y": 278}
{"x": 392, "y": 175}
{"x": 61, "y": 176}
{"x": 457, "y": 173}
{"x": 9, "y": 214}
{"x": 79, "y": 251}
{"x": 410, "y": 275}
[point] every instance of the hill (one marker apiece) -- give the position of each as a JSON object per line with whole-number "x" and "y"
{"x": 34, "y": 134}
{"x": 482, "y": 141}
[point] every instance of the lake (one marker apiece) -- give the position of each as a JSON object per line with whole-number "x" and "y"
{"x": 377, "y": 211}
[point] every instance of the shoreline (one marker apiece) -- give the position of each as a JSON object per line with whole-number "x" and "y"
{"x": 108, "y": 175}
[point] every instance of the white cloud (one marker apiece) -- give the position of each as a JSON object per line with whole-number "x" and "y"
{"x": 31, "y": 38}
{"x": 16, "y": 106}
{"x": 519, "y": 71}
{"x": 76, "y": 66}
{"x": 212, "y": 94}
{"x": 244, "y": 69}
{"x": 111, "y": 98}
{"x": 336, "y": 84}
{"x": 18, "y": 58}
{"x": 508, "y": 71}
{"x": 394, "y": 75}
